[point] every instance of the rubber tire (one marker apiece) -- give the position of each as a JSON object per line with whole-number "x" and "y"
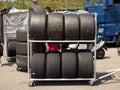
{"x": 100, "y": 53}
{"x": 21, "y": 48}
{"x": 38, "y": 26}
{"x": 55, "y": 26}
{"x": 53, "y": 65}
{"x": 21, "y": 61}
{"x": 21, "y": 35}
{"x": 36, "y": 8}
{"x": 11, "y": 48}
{"x": 69, "y": 65}
{"x": 37, "y": 65}
{"x": 71, "y": 29}
{"x": 85, "y": 64}
{"x": 118, "y": 41}
{"x": 87, "y": 27}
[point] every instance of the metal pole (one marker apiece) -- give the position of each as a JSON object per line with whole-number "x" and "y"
{"x": 66, "y": 5}
{"x": 22, "y": 4}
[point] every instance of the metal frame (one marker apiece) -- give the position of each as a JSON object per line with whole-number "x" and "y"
{"x": 29, "y": 48}
{"x": 5, "y": 32}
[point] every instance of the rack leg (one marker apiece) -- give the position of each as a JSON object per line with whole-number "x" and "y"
{"x": 91, "y": 82}
{"x": 31, "y": 83}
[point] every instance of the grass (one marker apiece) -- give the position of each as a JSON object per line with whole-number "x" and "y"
{"x": 54, "y": 4}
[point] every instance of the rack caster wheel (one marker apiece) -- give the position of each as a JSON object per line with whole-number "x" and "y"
{"x": 18, "y": 69}
{"x": 91, "y": 83}
{"x": 31, "y": 84}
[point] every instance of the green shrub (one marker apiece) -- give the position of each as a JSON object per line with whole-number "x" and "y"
{"x": 54, "y": 4}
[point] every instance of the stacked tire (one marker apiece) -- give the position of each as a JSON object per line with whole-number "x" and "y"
{"x": 21, "y": 49}
{"x": 72, "y": 63}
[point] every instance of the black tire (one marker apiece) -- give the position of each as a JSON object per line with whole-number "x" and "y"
{"x": 69, "y": 65}
{"x": 37, "y": 65}
{"x": 37, "y": 26}
{"x": 118, "y": 41}
{"x": 87, "y": 27}
{"x": 85, "y": 65}
{"x": 53, "y": 65}
{"x": 21, "y": 61}
{"x": 55, "y": 26}
{"x": 21, "y": 48}
{"x": 71, "y": 27}
{"x": 21, "y": 35}
{"x": 100, "y": 53}
{"x": 36, "y": 8}
{"x": 11, "y": 48}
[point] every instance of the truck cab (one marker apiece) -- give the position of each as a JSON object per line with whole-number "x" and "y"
{"x": 108, "y": 20}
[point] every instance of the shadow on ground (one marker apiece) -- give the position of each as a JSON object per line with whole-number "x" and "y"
{"x": 75, "y": 83}
{"x": 103, "y": 80}
{"x": 9, "y": 63}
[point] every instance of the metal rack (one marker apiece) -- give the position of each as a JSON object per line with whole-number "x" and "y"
{"x": 29, "y": 48}
{"x": 11, "y": 29}
{"x": 6, "y": 44}
{"x": 91, "y": 80}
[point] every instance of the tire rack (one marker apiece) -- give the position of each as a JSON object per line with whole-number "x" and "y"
{"x": 5, "y": 33}
{"x": 29, "y": 50}
{"x": 6, "y": 46}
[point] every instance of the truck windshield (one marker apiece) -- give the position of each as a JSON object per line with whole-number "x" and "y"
{"x": 93, "y": 3}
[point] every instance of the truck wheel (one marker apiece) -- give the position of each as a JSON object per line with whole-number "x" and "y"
{"x": 53, "y": 65}
{"x": 69, "y": 65}
{"x": 21, "y": 35}
{"x": 71, "y": 29}
{"x": 118, "y": 41}
{"x": 87, "y": 27}
{"x": 100, "y": 53}
{"x": 55, "y": 26}
{"x": 37, "y": 65}
{"x": 85, "y": 64}
{"x": 36, "y": 8}
{"x": 37, "y": 26}
{"x": 21, "y": 48}
{"x": 119, "y": 53}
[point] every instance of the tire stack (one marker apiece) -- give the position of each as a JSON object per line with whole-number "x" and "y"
{"x": 21, "y": 49}
{"x": 72, "y": 63}
{"x": 21, "y": 41}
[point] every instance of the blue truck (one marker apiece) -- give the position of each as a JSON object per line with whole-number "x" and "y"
{"x": 108, "y": 22}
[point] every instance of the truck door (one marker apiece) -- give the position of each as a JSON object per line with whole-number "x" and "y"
{"x": 112, "y": 21}
{"x": 97, "y": 6}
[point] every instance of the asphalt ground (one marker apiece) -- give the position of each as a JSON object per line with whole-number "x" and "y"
{"x": 11, "y": 79}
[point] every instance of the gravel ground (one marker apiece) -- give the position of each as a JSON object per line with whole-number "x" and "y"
{"x": 10, "y": 79}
